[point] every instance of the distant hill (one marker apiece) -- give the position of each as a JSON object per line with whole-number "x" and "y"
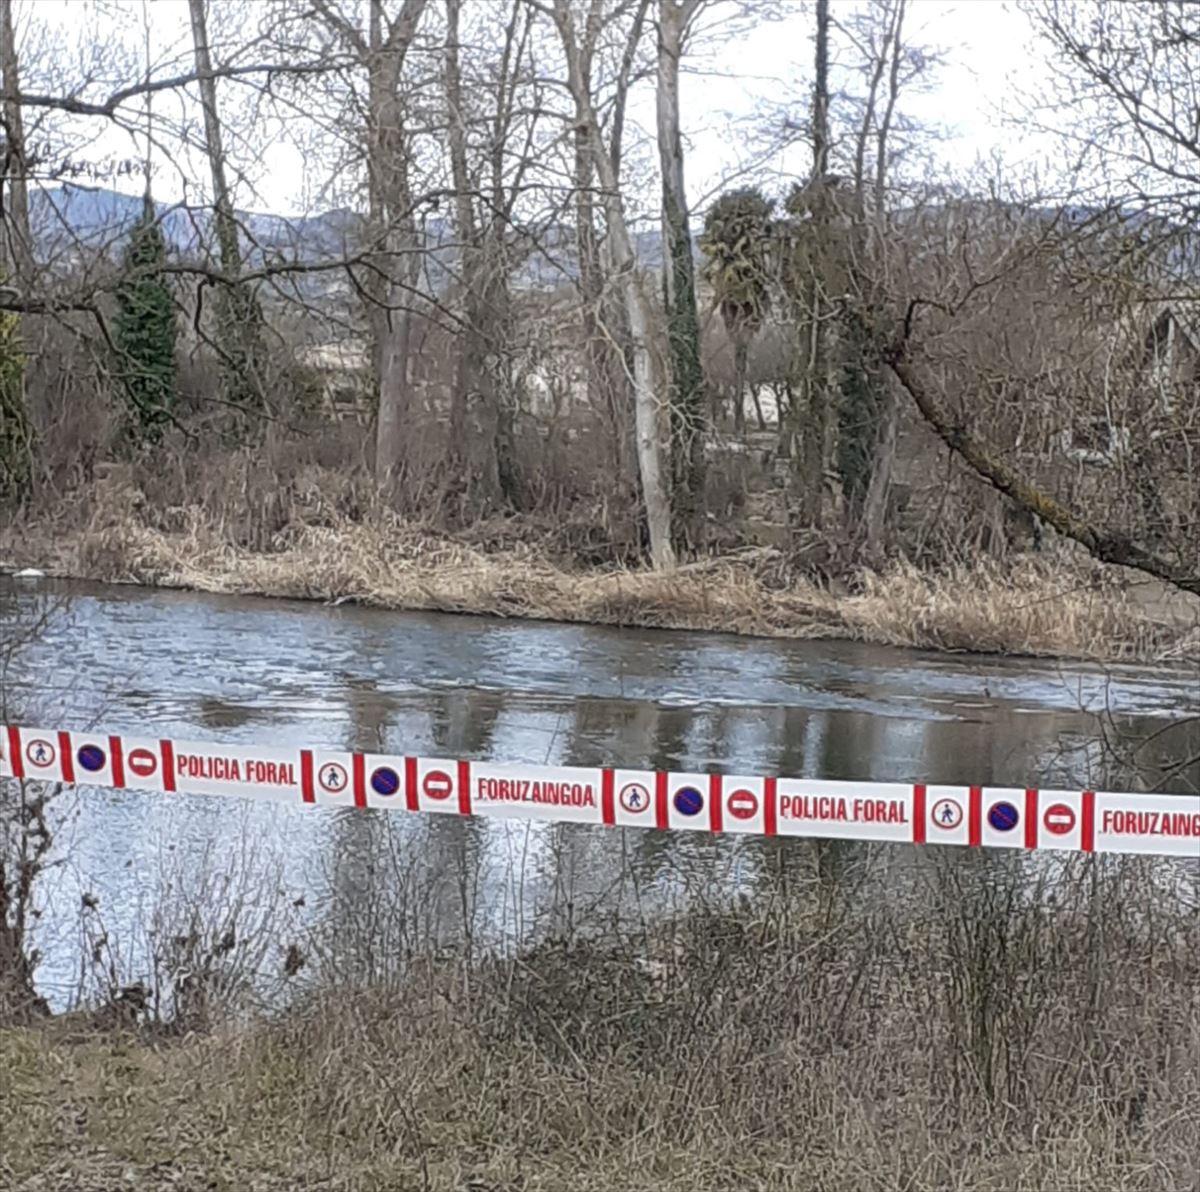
{"x": 97, "y": 218}
{"x": 71, "y": 217}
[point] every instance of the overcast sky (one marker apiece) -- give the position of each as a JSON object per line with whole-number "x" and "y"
{"x": 987, "y": 53}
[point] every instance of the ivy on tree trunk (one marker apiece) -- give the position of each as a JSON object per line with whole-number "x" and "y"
{"x": 144, "y": 329}
{"x": 16, "y": 434}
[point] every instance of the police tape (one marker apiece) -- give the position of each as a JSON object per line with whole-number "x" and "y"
{"x": 976, "y": 816}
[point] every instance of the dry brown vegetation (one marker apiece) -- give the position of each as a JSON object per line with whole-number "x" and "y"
{"x": 321, "y": 538}
{"x": 991, "y": 1030}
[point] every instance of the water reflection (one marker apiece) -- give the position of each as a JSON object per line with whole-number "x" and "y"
{"x": 388, "y": 885}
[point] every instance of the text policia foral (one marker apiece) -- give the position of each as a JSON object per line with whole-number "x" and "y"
{"x": 976, "y": 816}
{"x": 833, "y": 809}
{"x": 233, "y": 769}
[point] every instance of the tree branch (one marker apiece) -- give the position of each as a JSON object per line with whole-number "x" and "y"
{"x": 1108, "y": 546}
{"x": 83, "y": 107}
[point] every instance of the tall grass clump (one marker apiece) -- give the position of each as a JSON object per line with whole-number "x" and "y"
{"x": 950, "y": 1021}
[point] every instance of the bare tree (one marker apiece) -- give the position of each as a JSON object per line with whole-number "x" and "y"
{"x": 810, "y": 282}
{"x": 877, "y": 439}
{"x": 604, "y": 160}
{"x": 382, "y": 50}
{"x": 1115, "y": 266}
{"x": 19, "y": 237}
{"x": 603, "y": 315}
{"x": 492, "y": 127}
{"x": 1125, "y": 78}
{"x": 240, "y": 318}
{"x": 473, "y": 400}
{"x": 868, "y": 422}
{"x": 16, "y": 435}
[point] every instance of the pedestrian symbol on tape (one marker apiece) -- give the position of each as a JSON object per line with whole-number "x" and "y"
{"x": 947, "y": 813}
{"x": 40, "y": 753}
{"x": 334, "y": 778}
{"x": 635, "y": 797}
{"x": 1004, "y": 817}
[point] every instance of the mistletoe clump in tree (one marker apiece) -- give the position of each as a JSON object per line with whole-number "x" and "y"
{"x": 145, "y": 328}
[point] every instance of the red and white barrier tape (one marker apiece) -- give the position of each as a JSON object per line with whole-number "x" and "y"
{"x": 989, "y": 817}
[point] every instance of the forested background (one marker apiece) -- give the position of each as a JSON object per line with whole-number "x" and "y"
{"x": 507, "y": 315}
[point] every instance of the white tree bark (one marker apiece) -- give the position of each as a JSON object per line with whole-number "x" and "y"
{"x": 19, "y": 250}
{"x": 637, "y": 306}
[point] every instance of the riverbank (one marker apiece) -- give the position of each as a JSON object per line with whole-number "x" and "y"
{"x": 1065, "y": 607}
{"x": 725, "y": 1053}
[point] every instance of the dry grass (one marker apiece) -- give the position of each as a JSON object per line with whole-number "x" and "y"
{"x": 829, "y": 1044}
{"x": 1030, "y": 606}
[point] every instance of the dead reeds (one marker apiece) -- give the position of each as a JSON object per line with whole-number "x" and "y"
{"x": 991, "y": 1028}
{"x": 1051, "y": 607}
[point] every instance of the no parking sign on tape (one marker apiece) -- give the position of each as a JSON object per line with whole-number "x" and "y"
{"x": 1007, "y": 817}
{"x": 92, "y": 759}
{"x": 689, "y": 805}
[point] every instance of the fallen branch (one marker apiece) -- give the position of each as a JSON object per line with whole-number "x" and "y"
{"x": 1108, "y": 546}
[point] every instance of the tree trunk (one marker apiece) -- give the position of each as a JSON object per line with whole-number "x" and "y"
{"x": 240, "y": 317}
{"x": 605, "y": 335}
{"x": 879, "y": 490}
{"x": 506, "y": 190}
{"x": 741, "y": 365}
{"x": 809, "y": 484}
{"x": 683, "y": 321}
{"x": 1107, "y": 545}
{"x": 473, "y": 413}
{"x": 869, "y": 410}
{"x": 858, "y": 421}
{"x": 393, "y": 233}
{"x": 19, "y": 239}
{"x": 758, "y": 410}
{"x": 16, "y": 431}
{"x": 637, "y": 306}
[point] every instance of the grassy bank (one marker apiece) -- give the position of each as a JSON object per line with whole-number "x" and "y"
{"x": 974, "y": 1042}
{"x": 1066, "y": 607}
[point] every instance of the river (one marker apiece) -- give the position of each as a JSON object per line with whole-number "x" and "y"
{"x": 246, "y": 670}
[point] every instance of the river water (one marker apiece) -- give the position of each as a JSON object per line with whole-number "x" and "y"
{"x": 247, "y": 670}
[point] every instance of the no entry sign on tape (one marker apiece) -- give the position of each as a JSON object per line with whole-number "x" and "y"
{"x": 976, "y": 816}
